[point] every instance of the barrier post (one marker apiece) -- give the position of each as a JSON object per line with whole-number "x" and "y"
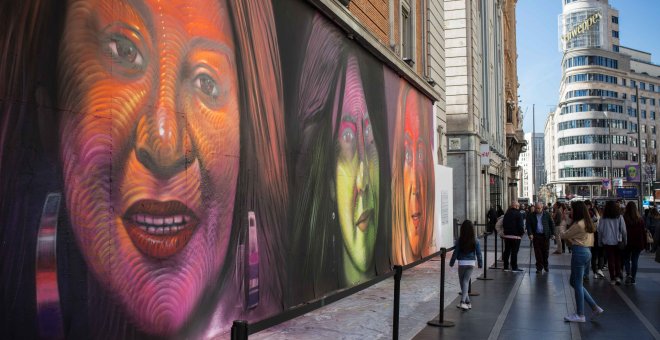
{"x": 239, "y": 330}
{"x": 440, "y": 320}
{"x": 494, "y": 266}
{"x": 398, "y": 272}
{"x": 485, "y": 276}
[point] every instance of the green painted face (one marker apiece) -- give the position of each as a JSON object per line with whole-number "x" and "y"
{"x": 357, "y": 177}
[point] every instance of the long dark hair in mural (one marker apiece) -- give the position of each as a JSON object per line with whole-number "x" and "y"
{"x": 167, "y": 167}
{"x": 341, "y": 212}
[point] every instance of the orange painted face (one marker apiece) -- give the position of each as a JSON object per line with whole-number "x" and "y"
{"x": 150, "y": 148}
{"x": 414, "y": 177}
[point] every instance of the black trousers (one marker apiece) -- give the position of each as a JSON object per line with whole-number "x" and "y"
{"x": 511, "y": 247}
{"x": 541, "y": 251}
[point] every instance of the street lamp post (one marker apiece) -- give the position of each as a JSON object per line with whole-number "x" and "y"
{"x": 639, "y": 148}
{"x": 609, "y": 132}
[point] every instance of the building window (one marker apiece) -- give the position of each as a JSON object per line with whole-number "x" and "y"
{"x": 615, "y": 48}
{"x": 652, "y": 143}
{"x": 653, "y": 115}
{"x": 591, "y": 60}
{"x": 633, "y": 98}
{"x": 643, "y": 128}
{"x": 642, "y": 100}
{"x": 642, "y": 85}
{"x": 652, "y": 129}
{"x": 615, "y": 34}
{"x": 407, "y": 35}
{"x": 652, "y": 101}
{"x": 651, "y": 87}
{"x": 643, "y": 115}
{"x": 615, "y": 20}
{"x": 633, "y": 83}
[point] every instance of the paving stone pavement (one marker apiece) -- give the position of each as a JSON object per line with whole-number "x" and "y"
{"x": 368, "y": 313}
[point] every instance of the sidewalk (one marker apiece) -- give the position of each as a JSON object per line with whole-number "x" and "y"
{"x": 532, "y": 306}
{"x": 368, "y": 313}
{"x": 511, "y": 306}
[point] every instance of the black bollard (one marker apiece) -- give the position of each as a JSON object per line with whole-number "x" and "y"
{"x": 239, "y": 330}
{"x": 440, "y": 320}
{"x": 485, "y": 276}
{"x": 398, "y": 272}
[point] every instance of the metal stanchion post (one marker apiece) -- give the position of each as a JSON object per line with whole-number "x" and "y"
{"x": 485, "y": 276}
{"x": 398, "y": 272}
{"x": 440, "y": 320}
{"x": 494, "y": 266}
{"x": 239, "y": 330}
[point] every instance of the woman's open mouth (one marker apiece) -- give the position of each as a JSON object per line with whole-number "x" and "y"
{"x": 160, "y": 229}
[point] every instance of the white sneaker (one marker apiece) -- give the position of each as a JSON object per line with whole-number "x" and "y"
{"x": 574, "y": 318}
{"x": 464, "y": 306}
{"x": 596, "y": 276}
{"x": 600, "y": 273}
{"x": 469, "y": 305}
{"x": 597, "y": 312}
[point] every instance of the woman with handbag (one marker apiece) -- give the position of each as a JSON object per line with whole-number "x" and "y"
{"x": 612, "y": 237}
{"x": 636, "y": 241}
{"x": 581, "y": 236}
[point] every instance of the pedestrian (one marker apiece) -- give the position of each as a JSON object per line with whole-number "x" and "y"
{"x": 612, "y": 237}
{"x": 467, "y": 252}
{"x": 581, "y": 237}
{"x": 540, "y": 229}
{"x": 513, "y": 230}
{"x": 597, "y": 252}
{"x": 557, "y": 217}
{"x": 636, "y": 241}
{"x": 492, "y": 218}
{"x": 653, "y": 226}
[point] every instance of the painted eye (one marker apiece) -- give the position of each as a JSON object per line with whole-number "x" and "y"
{"x": 207, "y": 85}
{"x": 347, "y": 136}
{"x": 124, "y": 52}
{"x": 408, "y": 155}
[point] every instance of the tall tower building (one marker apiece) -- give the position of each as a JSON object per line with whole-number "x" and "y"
{"x": 601, "y": 123}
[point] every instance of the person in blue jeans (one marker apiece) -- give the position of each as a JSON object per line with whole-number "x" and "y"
{"x": 581, "y": 236}
{"x": 468, "y": 253}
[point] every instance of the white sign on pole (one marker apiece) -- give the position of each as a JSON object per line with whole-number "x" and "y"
{"x": 484, "y": 153}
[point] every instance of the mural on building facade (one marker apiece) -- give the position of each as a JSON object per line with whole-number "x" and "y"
{"x": 203, "y": 161}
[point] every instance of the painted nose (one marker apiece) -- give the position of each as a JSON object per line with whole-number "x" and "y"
{"x": 362, "y": 178}
{"x": 160, "y": 143}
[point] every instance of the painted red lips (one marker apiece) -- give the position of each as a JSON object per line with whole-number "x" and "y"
{"x": 160, "y": 229}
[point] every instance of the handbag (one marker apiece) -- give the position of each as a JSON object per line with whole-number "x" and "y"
{"x": 649, "y": 237}
{"x": 620, "y": 244}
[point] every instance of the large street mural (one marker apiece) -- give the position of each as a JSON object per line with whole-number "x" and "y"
{"x": 167, "y": 167}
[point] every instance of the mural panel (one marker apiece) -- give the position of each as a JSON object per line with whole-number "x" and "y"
{"x": 169, "y": 167}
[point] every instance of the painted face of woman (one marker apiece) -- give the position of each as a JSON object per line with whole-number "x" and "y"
{"x": 149, "y": 148}
{"x": 414, "y": 176}
{"x": 357, "y": 175}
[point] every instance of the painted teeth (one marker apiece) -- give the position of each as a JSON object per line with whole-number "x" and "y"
{"x": 159, "y": 225}
{"x": 161, "y": 230}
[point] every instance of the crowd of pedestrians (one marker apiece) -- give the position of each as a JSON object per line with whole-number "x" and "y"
{"x": 612, "y": 236}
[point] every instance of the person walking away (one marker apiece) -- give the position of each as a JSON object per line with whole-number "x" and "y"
{"x": 612, "y": 237}
{"x": 468, "y": 253}
{"x": 557, "y": 213}
{"x": 513, "y": 229}
{"x": 492, "y": 218}
{"x": 540, "y": 229}
{"x": 653, "y": 227}
{"x": 636, "y": 241}
{"x": 581, "y": 237}
{"x": 597, "y": 252}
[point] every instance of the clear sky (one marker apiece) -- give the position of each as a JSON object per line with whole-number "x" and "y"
{"x": 539, "y": 68}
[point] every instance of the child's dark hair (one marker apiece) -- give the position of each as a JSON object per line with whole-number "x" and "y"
{"x": 467, "y": 240}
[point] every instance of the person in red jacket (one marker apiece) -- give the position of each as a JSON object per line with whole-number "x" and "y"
{"x": 636, "y": 241}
